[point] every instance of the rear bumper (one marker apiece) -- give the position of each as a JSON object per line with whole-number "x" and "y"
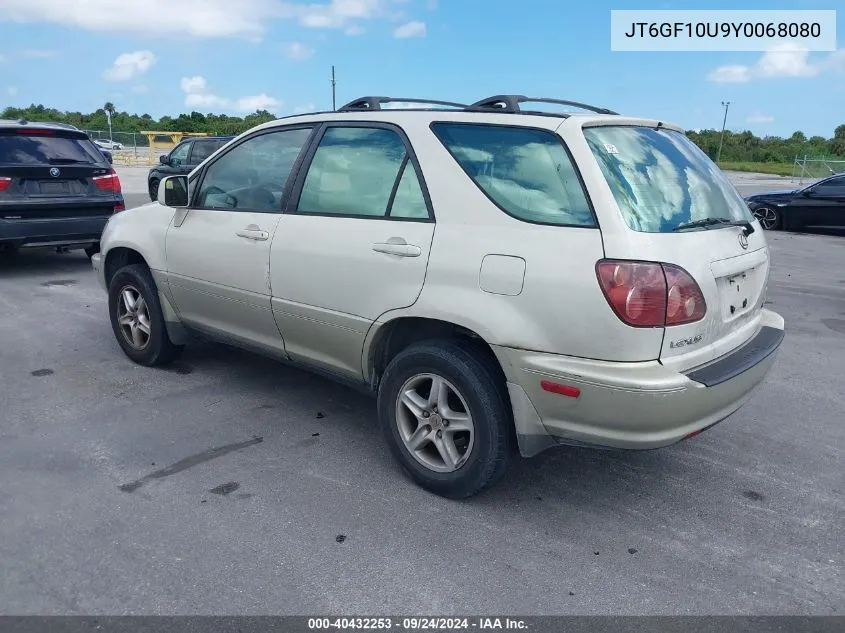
{"x": 54, "y": 231}
{"x": 632, "y": 405}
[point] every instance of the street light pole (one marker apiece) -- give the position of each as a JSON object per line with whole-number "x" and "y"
{"x": 725, "y": 105}
{"x": 334, "y": 104}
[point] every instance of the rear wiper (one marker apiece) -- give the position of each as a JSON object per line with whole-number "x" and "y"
{"x": 747, "y": 226}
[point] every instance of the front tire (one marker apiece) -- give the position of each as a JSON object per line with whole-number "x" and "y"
{"x": 445, "y": 417}
{"x": 137, "y": 319}
{"x": 153, "y": 185}
{"x": 769, "y": 218}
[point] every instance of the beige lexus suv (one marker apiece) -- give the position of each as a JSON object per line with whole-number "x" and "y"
{"x": 502, "y": 279}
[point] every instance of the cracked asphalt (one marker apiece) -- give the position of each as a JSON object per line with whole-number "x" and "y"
{"x": 230, "y": 484}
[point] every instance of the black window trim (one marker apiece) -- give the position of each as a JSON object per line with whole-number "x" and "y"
{"x": 563, "y": 144}
{"x": 200, "y": 176}
{"x": 296, "y": 193}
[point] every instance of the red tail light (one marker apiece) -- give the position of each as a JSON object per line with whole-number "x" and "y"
{"x": 109, "y": 182}
{"x": 5, "y": 183}
{"x": 119, "y": 207}
{"x": 684, "y": 301}
{"x": 648, "y": 294}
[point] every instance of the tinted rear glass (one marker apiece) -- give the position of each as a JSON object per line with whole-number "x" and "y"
{"x": 661, "y": 179}
{"x": 26, "y": 149}
{"x": 528, "y": 173}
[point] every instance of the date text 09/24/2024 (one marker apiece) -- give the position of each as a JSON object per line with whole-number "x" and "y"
{"x": 415, "y": 623}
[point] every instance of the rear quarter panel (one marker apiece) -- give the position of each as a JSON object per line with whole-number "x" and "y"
{"x": 560, "y": 308}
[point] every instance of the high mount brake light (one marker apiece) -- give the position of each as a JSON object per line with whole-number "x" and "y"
{"x": 650, "y": 294}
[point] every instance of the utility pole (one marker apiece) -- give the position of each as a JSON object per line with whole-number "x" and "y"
{"x": 725, "y": 105}
{"x": 334, "y": 103}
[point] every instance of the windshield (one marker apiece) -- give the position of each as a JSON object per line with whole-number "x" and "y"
{"x": 661, "y": 179}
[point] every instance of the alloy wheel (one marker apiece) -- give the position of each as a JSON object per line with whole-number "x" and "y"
{"x": 435, "y": 423}
{"x": 133, "y": 317}
{"x": 767, "y": 217}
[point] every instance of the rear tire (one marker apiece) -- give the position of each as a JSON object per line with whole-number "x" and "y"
{"x": 455, "y": 442}
{"x": 769, "y": 218}
{"x": 137, "y": 319}
{"x": 153, "y": 185}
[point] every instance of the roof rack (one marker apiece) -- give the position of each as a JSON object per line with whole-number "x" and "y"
{"x": 365, "y": 104}
{"x": 511, "y": 104}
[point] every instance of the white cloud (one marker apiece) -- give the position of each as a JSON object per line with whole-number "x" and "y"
{"x": 298, "y": 52}
{"x": 730, "y": 74}
{"x": 129, "y": 65}
{"x": 783, "y": 60}
{"x": 759, "y": 117}
{"x": 245, "y": 19}
{"x": 410, "y": 29}
{"x": 258, "y": 102}
{"x": 198, "y": 95}
{"x": 354, "y": 29}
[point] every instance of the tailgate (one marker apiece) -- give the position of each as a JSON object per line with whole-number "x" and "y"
{"x": 662, "y": 200}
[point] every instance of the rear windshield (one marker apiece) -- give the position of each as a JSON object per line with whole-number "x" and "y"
{"x": 38, "y": 149}
{"x": 661, "y": 179}
{"x": 528, "y": 173}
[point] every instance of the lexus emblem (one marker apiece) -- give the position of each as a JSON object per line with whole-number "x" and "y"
{"x": 743, "y": 240}
{"x": 54, "y": 172}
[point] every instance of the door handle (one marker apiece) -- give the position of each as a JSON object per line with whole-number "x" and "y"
{"x": 401, "y": 250}
{"x": 252, "y": 232}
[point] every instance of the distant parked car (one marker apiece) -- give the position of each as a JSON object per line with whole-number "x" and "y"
{"x": 183, "y": 158}
{"x": 819, "y": 204}
{"x": 56, "y": 187}
{"x": 108, "y": 144}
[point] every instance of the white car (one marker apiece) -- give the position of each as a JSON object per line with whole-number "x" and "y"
{"x": 501, "y": 280}
{"x": 108, "y": 144}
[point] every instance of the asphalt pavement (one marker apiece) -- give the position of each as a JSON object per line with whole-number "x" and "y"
{"x": 230, "y": 484}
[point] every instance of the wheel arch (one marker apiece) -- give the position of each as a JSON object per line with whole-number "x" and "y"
{"x": 385, "y": 340}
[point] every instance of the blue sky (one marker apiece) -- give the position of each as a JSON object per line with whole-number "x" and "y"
{"x": 171, "y": 56}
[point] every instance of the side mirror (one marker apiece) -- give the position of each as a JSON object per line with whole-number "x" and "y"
{"x": 807, "y": 193}
{"x": 173, "y": 191}
{"x": 163, "y": 159}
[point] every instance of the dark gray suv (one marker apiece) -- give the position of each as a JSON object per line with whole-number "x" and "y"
{"x": 56, "y": 187}
{"x": 183, "y": 158}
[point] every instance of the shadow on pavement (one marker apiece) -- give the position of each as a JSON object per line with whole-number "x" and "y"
{"x": 36, "y": 261}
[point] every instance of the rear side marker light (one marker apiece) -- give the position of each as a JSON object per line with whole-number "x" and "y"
{"x": 109, "y": 182}
{"x": 5, "y": 183}
{"x": 650, "y": 294}
{"x": 562, "y": 390}
{"x": 119, "y": 207}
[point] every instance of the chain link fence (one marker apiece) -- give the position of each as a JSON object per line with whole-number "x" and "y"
{"x": 808, "y": 168}
{"x": 133, "y": 147}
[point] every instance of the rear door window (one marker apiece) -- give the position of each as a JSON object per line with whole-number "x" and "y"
{"x": 661, "y": 179}
{"x": 46, "y": 147}
{"x": 202, "y": 150}
{"x": 528, "y": 173}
